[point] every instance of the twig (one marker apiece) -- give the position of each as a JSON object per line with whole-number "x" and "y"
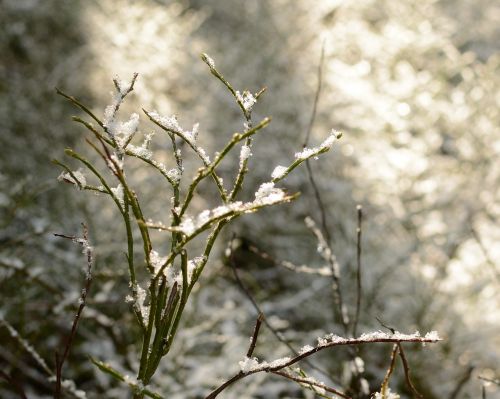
{"x": 461, "y": 383}
{"x": 256, "y": 306}
{"x": 82, "y": 301}
{"x": 486, "y": 255}
{"x": 255, "y": 334}
{"x": 336, "y": 341}
{"x": 493, "y": 381}
{"x": 406, "y": 369}
{"x": 310, "y": 174}
{"x": 316, "y": 96}
{"x": 323, "y": 271}
{"x": 309, "y": 381}
{"x": 15, "y": 385}
{"x": 328, "y": 255}
{"x": 390, "y": 370}
{"x": 359, "y": 291}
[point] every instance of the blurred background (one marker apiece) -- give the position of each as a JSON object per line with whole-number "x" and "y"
{"x": 414, "y": 86}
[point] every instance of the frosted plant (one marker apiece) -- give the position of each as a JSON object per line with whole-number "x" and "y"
{"x": 283, "y": 366}
{"x": 159, "y": 307}
{"x": 387, "y": 395}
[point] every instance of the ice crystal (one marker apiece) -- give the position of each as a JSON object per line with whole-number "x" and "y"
{"x": 307, "y": 153}
{"x": 305, "y": 349}
{"x": 433, "y": 336}
{"x": 70, "y": 386}
{"x": 110, "y": 110}
{"x": 79, "y": 179}
{"x": 194, "y": 264}
{"x": 169, "y": 122}
{"x": 141, "y": 152}
{"x": 156, "y": 260}
{"x": 174, "y": 174}
{"x": 209, "y": 61}
{"x": 141, "y": 299}
{"x": 249, "y": 364}
{"x": 388, "y": 395}
{"x": 247, "y": 100}
{"x": 123, "y": 132}
{"x": 331, "y": 338}
{"x": 245, "y": 153}
{"x": 278, "y": 172}
{"x": 118, "y": 193}
{"x": 267, "y": 194}
{"x": 279, "y": 362}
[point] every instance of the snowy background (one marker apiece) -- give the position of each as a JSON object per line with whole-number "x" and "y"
{"x": 413, "y": 85}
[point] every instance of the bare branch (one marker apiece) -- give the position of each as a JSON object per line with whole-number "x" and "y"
{"x": 359, "y": 291}
{"x": 88, "y": 251}
{"x": 255, "y": 334}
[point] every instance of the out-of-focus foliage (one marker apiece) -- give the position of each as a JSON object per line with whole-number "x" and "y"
{"x": 415, "y": 87}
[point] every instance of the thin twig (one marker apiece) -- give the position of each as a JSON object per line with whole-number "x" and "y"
{"x": 328, "y": 255}
{"x": 15, "y": 385}
{"x": 390, "y": 370}
{"x": 406, "y": 366}
{"x": 487, "y": 257}
{"x": 316, "y": 96}
{"x": 336, "y": 341}
{"x": 493, "y": 381}
{"x": 322, "y": 271}
{"x": 309, "y": 381}
{"x": 359, "y": 291}
{"x": 461, "y": 383}
{"x": 406, "y": 369}
{"x": 259, "y": 310}
{"x": 255, "y": 334}
{"x": 82, "y": 301}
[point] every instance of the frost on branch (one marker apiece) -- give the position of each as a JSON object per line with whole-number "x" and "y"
{"x": 118, "y": 193}
{"x": 249, "y": 364}
{"x": 332, "y": 339}
{"x": 120, "y": 132}
{"x": 140, "y": 304}
{"x": 76, "y": 177}
{"x": 247, "y": 100}
{"x": 305, "y": 348}
{"x": 279, "y": 172}
{"x": 323, "y": 147}
{"x": 266, "y": 195}
{"x": 156, "y": 260}
{"x": 171, "y": 124}
{"x": 245, "y": 153}
{"x": 386, "y": 395}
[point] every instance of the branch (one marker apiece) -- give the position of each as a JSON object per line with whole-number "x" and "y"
{"x": 359, "y": 292}
{"x": 259, "y": 310}
{"x": 88, "y": 250}
{"x": 324, "y": 343}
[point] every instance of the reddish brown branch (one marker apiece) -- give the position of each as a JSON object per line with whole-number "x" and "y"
{"x": 255, "y": 335}
{"x": 311, "y": 382}
{"x": 82, "y": 301}
{"x": 269, "y": 367}
{"x": 359, "y": 291}
{"x": 406, "y": 369}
